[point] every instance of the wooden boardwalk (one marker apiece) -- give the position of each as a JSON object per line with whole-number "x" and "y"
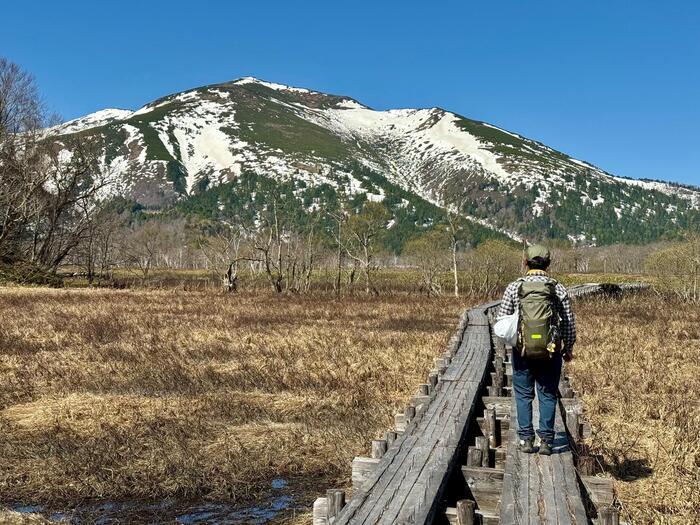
{"x": 411, "y": 477}
{"x": 427, "y": 472}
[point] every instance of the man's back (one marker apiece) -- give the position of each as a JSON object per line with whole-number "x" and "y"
{"x": 543, "y": 372}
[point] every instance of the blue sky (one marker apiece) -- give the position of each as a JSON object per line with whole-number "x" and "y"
{"x": 616, "y": 83}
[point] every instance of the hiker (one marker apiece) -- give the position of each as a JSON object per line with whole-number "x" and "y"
{"x": 546, "y": 335}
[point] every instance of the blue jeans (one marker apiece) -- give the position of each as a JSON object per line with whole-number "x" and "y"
{"x": 545, "y": 374}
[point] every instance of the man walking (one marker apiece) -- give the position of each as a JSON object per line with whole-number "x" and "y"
{"x": 546, "y": 335}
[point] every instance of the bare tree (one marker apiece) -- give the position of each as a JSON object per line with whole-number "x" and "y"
{"x": 21, "y": 119}
{"x": 49, "y": 190}
{"x": 222, "y": 251}
{"x": 142, "y": 245}
{"x": 70, "y": 202}
{"x": 454, "y": 220}
{"x": 266, "y": 239}
{"x": 281, "y": 239}
{"x": 95, "y": 253}
{"x": 428, "y": 252}
{"x": 676, "y": 269}
{"x": 362, "y": 233}
{"x": 491, "y": 266}
{"x": 339, "y": 217}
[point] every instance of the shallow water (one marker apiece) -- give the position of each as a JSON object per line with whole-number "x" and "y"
{"x": 171, "y": 511}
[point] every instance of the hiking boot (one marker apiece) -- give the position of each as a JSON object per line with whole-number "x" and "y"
{"x": 545, "y": 449}
{"x": 527, "y": 445}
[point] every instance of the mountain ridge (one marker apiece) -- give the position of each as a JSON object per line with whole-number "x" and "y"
{"x": 187, "y": 142}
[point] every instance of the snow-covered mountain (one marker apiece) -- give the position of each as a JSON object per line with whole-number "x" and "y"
{"x": 184, "y": 143}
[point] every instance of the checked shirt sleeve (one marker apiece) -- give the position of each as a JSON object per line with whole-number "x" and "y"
{"x": 567, "y": 320}
{"x": 509, "y": 301}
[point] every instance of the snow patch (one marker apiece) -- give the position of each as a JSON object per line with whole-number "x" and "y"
{"x": 350, "y": 104}
{"x": 271, "y": 85}
{"x": 93, "y": 120}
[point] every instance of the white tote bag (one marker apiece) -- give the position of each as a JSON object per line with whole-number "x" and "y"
{"x": 507, "y": 328}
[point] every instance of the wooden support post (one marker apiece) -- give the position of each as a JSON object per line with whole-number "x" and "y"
{"x": 498, "y": 364}
{"x": 336, "y": 501}
{"x": 433, "y": 378}
{"x": 424, "y": 389}
{"x": 441, "y": 362}
{"x": 410, "y": 413}
{"x": 491, "y": 426}
{"x": 586, "y": 465}
{"x": 400, "y": 422}
{"x": 420, "y": 402}
{"x": 572, "y": 425}
{"x": 503, "y": 350}
{"x": 362, "y": 469}
{"x": 465, "y": 512}
{"x": 474, "y": 457}
{"x": 494, "y": 391}
{"x": 584, "y": 429}
{"x": 609, "y": 516}
{"x": 320, "y": 513}
{"x": 390, "y": 437}
{"x": 500, "y": 378}
{"x": 482, "y": 443}
{"x": 379, "y": 447}
{"x": 500, "y": 372}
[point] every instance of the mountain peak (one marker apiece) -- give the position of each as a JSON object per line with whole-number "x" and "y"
{"x": 271, "y": 85}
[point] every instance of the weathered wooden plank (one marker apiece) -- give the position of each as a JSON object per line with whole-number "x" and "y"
{"x": 434, "y": 480}
{"x": 600, "y": 490}
{"x": 501, "y": 404}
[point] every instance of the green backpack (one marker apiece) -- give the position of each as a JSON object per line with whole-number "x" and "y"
{"x": 538, "y": 333}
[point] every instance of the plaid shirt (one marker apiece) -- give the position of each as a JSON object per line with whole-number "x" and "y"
{"x": 567, "y": 323}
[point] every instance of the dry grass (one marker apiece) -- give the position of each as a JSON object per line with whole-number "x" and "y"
{"x": 145, "y": 395}
{"x": 8, "y": 517}
{"x": 637, "y": 368}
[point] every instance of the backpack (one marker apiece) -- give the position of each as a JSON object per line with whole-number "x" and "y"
{"x": 538, "y": 333}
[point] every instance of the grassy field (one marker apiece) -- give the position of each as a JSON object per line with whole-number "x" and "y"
{"x": 133, "y": 395}
{"x": 637, "y": 369}
{"x": 174, "y": 398}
